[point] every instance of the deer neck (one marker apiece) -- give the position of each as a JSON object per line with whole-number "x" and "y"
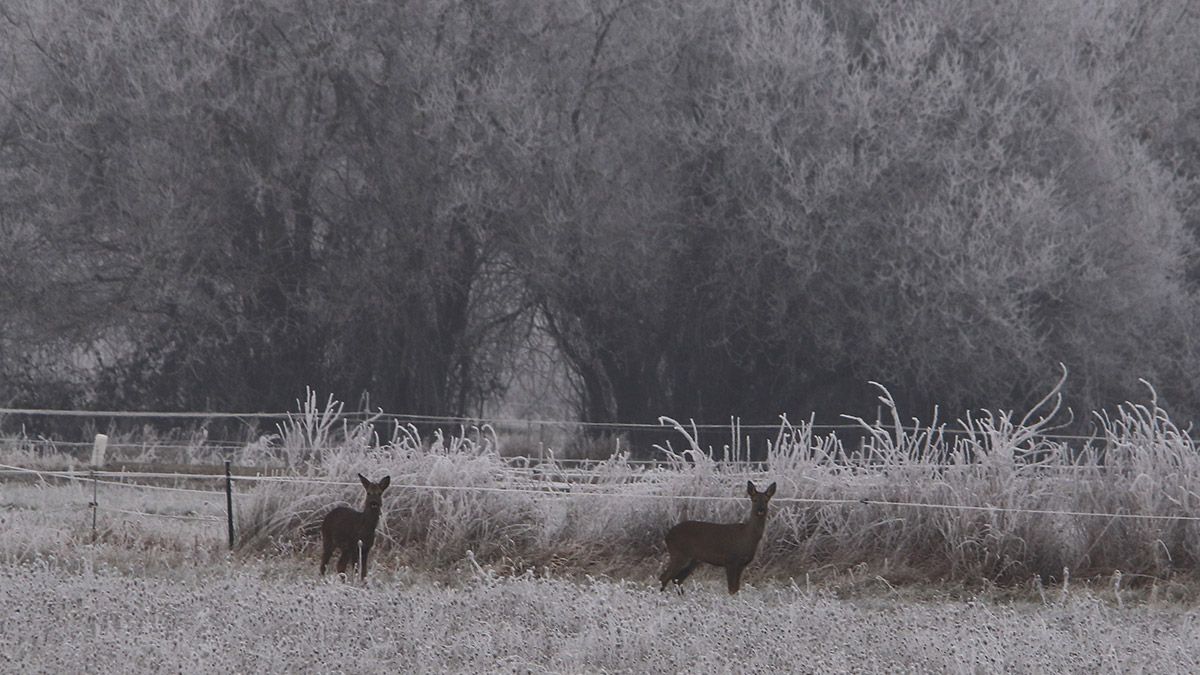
{"x": 753, "y": 528}
{"x": 369, "y": 519}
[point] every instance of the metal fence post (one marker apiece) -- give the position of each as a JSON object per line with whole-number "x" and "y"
{"x": 99, "y": 445}
{"x": 229, "y": 502}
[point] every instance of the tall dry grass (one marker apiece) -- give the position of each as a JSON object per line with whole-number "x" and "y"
{"x": 990, "y": 497}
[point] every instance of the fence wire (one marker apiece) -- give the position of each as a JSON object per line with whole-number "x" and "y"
{"x": 568, "y": 490}
{"x": 734, "y": 425}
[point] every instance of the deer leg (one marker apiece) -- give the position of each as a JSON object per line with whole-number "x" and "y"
{"x": 344, "y": 560}
{"x": 683, "y": 574}
{"x": 362, "y": 564}
{"x": 667, "y": 573}
{"x": 687, "y": 570}
{"x": 674, "y": 566}
{"x": 326, "y": 554}
{"x": 733, "y": 576}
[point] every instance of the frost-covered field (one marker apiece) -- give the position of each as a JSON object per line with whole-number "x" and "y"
{"x": 242, "y": 618}
{"x": 163, "y": 595}
{"x": 160, "y": 594}
{"x": 1000, "y": 551}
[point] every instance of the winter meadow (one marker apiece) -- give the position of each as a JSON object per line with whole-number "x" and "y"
{"x": 599, "y": 336}
{"x": 994, "y": 551}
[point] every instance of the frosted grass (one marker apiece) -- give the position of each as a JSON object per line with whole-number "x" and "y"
{"x": 234, "y": 618}
{"x": 999, "y": 502}
{"x": 992, "y": 497}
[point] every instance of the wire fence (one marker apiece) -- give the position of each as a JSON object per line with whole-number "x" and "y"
{"x": 551, "y": 490}
{"x": 171, "y": 516}
{"x": 201, "y": 449}
{"x": 732, "y": 427}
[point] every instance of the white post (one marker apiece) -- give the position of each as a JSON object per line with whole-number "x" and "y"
{"x": 98, "y": 448}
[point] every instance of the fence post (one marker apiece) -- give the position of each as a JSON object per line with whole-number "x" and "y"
{"x": 95, "y": 505}
{"x": 98, "y": 447}
{"x": 229, "y": 502}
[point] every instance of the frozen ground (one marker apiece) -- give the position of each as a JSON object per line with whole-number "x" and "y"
{"x": 66, "y": 616}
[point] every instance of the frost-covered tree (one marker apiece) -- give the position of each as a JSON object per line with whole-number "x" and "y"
{"x": 813, "y": 195}
{"x": 256, "y": 198}
{"x": 709, "y": 208}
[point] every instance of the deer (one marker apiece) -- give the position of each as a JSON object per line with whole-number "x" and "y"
{"x": 728, "y": 545}
{"x": 353, "y": 531}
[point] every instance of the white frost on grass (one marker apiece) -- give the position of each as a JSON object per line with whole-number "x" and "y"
{"x": 233, "y": 618}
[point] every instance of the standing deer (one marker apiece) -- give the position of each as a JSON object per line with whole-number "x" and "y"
{"x": 728, "y": 545}
{"x": 353, "y": 531}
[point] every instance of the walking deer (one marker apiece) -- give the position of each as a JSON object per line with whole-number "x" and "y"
{"x": 353, "y": 532}
{"x": 728, "y": 545}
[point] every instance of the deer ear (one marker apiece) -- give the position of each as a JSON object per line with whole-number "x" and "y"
{"x": 387, "y": 480}
{"x": 750, "y": 488}
{"x": 366, "y": 483}
{"x": 771, "y": 490}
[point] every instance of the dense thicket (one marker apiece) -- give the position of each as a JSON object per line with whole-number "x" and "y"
{"x": 708, "y": 208}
